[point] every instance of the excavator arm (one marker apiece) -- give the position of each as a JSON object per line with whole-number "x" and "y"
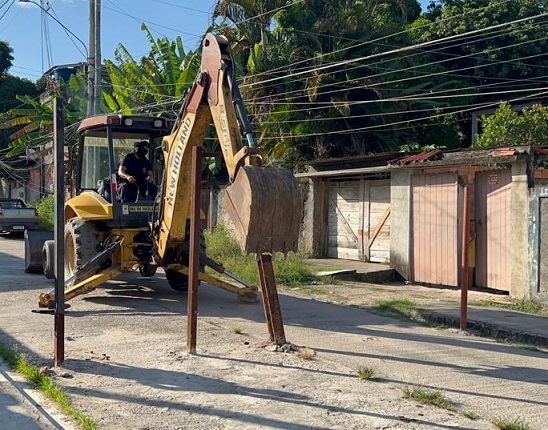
{"x": 262, "y": 202}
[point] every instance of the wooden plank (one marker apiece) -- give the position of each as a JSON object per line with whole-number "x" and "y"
{"x": 345, "y": 223}
{"x": 366, "y": 221}
{"x": 343, "y": 220}
{"x": 379, "y": 225}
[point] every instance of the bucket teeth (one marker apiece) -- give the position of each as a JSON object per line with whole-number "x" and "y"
{"x": 264, "y": 205}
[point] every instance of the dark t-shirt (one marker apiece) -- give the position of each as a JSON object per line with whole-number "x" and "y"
{"x": 136, "y": 167}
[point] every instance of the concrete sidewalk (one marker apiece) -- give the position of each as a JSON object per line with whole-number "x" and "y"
{"x": 495, "y": 322}
{"x": 20, "y": 405}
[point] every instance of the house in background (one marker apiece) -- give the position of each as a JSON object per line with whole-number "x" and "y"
{"x": 407, "y": 210}
{"x": 347, "y": 208}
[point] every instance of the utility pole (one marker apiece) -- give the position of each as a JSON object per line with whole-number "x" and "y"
{"x": 98, "y": 68}
{"x": 94, "y": 58}
{"x": 91, "y": 60}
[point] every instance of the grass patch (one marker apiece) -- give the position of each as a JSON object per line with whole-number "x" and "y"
{"x": 237, "y": 330}
{"x": 306, "y": 353}
{"x": 404, "y": 308}
{"x": 291, "y": 271}
{"x": 511, "y": 424}
{"x": 365, "y": 373}
{"x": 471, "y": 415}
{"x": 46, "y": 385}
{"x": 428, "y": 397}
{"x": 528, "y": 306}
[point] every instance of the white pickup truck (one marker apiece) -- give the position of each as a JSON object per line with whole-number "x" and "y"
{"x": 15, "y": 216}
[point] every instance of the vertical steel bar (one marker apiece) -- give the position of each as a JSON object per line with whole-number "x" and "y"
{"x": 194, "y": 258}
{"x": 271, "y": 303}
{"x": 464, "y": 261}
{"x": 59, "y": 227}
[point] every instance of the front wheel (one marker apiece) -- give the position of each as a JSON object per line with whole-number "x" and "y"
{"x": 177, "y": 280}
{"x": 147, "y": 270}
{"x": 48, "y": 259}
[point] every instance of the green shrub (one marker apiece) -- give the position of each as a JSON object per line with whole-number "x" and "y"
{"x": 46, "y": 213}
{"x": 222, "y": 247}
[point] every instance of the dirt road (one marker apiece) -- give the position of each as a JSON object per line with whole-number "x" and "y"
{"x": 127, "y": 366}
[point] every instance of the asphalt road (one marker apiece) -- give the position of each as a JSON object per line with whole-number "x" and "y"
{"x": 125, "y": 355}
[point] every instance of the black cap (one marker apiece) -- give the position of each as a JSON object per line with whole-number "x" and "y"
{"x": 142, "y": 144}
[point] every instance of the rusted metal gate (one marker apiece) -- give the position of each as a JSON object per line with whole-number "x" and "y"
{"x": 492, "y": 211}
{"x": 359, "y": 220}
{"x": 435, "y": 228}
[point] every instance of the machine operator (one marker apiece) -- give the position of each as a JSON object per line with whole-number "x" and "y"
{"x": 135, "y": 173}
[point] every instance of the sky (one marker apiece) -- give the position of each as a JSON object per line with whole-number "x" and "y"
{"x": 38, "y": 47}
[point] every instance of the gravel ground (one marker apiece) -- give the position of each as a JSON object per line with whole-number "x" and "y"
{"x": 127, "y": 368}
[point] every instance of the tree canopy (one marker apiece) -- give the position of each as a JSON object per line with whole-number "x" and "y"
{"x": 331, "y": 78}
{"x": 6, "y": 57}
{"x": 507, "y": 127}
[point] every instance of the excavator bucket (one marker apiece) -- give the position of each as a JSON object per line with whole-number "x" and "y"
{"x": 264, "y": 204}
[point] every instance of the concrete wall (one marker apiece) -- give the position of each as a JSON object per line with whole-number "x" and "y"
{"x": 400, "y": 201}
{"x": 519, "y": 224}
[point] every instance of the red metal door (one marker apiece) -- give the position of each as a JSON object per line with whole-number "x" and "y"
{"x": 492, "y": 210}
{"x": 435, "y": 229}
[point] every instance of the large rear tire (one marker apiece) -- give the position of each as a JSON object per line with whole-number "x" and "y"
{"x": 81, "y": 245}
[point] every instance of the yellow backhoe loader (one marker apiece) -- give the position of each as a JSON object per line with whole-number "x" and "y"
{"x": 105, "y": 236}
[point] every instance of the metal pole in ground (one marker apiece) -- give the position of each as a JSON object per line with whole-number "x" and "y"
{"x": 464, "y": 260}
{"x": 271, "y": 303}
{"x": 194, "y": 257}
{"x": 59, "y": 229}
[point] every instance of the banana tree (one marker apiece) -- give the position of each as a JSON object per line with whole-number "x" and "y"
{"x": 154, "y": 83}
{"x": 33, "y": 124}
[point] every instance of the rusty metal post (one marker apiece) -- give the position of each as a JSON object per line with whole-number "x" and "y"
{"x": 59, "y": 227}
{"x": 194, "y": 257}
{"x": 464, "y": 260}
{"x": 271, "y": 303}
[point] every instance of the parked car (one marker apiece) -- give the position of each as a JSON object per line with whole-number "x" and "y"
{"x": 15, "y": 216}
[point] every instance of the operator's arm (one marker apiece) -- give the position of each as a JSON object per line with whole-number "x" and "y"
{"x": 123, "y": 174}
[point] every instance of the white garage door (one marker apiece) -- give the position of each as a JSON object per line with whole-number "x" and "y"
{"x": 359, "y": 220}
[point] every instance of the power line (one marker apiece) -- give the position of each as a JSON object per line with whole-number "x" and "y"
{"x": 398, "y": 50}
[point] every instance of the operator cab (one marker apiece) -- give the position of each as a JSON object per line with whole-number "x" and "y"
{"x": 104, "y": 141}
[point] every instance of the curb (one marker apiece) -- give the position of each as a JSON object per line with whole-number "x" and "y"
{"x": 488, "y": 330}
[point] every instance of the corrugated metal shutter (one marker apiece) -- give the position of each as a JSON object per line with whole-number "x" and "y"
{"x": 435, "y": 229}
{"x": 493, "y": 202}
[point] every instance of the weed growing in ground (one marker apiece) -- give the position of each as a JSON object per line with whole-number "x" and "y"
{"x": 365, "y": 373}
{"x": 45, "y": 384}
{"x": 428, "y": 397}
{"x": 511, "y": 424}
{"x": 306, "y": 354}
{"x": 471, "y": 415}
{"x": 237, "y": 330}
